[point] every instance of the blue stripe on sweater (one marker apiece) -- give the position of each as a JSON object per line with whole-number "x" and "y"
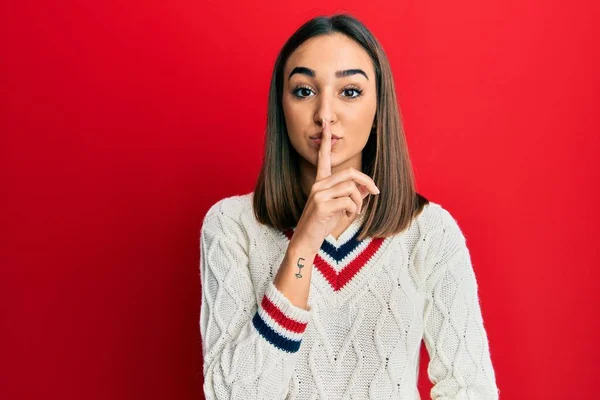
{"x": 345, "y": 249}
{"x": 273, "y": 337}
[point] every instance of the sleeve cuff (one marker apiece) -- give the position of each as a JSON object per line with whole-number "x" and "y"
{"x": 279, "y": 321}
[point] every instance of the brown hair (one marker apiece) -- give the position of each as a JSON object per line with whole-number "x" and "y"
{"x": 278, "y": 195}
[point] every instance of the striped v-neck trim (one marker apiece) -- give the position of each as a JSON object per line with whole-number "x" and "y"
{"x": 339, "y": 261}
{"x": 338, "y": 278}
{"x": 347, "y": 236}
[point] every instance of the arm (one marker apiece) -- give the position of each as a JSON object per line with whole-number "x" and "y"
{"x": 249, "y": 347}
{"x": 460, "y": 363}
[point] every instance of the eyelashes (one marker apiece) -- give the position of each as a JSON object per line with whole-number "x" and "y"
{"x": 303, "y": 89}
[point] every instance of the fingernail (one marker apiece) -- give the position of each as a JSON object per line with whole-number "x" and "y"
{"x": 378, "y": 191}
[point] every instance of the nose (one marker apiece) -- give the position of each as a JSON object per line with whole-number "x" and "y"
{"x": 325, "y": 107}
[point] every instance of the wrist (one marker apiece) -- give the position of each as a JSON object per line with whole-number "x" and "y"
{"x": 297, "y": 248}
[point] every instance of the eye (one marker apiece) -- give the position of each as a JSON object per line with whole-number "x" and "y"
{"x": 304, "y": 91}
{"x": 354, "y": 89}
{"x": 301, "y": 89}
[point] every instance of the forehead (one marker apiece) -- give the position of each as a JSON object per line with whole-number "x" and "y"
{"x": 329, "y": 53}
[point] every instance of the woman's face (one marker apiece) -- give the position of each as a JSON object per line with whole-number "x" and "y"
{"x": 318, "y": 88}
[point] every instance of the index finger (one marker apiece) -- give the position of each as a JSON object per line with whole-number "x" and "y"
{"x": 324, "y": 154}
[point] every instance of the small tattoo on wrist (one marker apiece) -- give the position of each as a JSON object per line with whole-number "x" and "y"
{"x": 300, "y": 266}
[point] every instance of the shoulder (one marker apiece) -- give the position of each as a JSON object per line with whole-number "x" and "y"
{"x": 435, "y": 216}
{"x": 228, "y": 216}
{"x": 231, "y": 207}
{"x": 440, "y": 230}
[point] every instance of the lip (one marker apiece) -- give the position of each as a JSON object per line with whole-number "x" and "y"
{"x": 318, "y": 135}
{"x": 317, "y": 141}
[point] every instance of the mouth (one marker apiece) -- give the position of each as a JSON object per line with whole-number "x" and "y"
{"x": 320, "y": 134}
{"x": 317, "y": 140}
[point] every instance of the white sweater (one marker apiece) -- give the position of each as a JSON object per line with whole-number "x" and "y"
{"x": 371, "y": 303}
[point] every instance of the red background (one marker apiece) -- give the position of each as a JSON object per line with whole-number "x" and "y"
{"x": 122, "y": 122}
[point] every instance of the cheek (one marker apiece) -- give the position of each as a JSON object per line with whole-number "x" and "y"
{"x": 360, "y": 125}
{"x": 294, "y": 120}
{"x": 293, "y": 132}
{"x": 365, "y": 114}
{"x": 292, "y": 112}
{"x": 286, "y": 108}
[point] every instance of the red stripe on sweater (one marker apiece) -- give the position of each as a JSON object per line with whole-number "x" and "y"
{"x": 337, "y": 281}
{"x": 282, "y": 319}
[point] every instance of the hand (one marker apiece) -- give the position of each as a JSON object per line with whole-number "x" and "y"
{"x": 330, "y": 197}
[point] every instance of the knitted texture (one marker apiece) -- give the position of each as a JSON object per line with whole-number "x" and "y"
{"x": 371, "y": 304}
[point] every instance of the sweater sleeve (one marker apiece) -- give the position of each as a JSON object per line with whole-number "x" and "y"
{"x": 249, "y": 347}
{"x": 460, "y": 366}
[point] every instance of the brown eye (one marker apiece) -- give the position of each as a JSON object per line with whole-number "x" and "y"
{"x": 300, "y": 91}
{"x": 357, "y": 91}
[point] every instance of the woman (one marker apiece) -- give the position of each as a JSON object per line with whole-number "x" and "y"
{"x": 322, "y": 282}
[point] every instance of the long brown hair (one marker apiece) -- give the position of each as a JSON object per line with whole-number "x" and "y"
{"x": 278, "y": 195}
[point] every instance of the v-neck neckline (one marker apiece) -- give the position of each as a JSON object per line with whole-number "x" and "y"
{"x": 346, "y": 235}
{"x": 345, "y": 264}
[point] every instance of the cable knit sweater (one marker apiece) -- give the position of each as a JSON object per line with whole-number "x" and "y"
{"x": 371, "y": 303}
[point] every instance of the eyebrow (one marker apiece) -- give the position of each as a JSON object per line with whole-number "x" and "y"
{"x": 338, "y": 74}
